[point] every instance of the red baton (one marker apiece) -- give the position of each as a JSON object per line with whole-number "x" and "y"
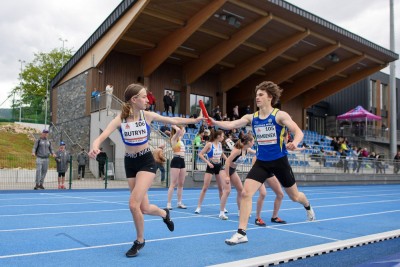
{"x": 204, "y": 110}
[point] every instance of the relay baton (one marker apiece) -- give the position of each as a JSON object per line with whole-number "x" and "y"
{"x": 204, "y": 110}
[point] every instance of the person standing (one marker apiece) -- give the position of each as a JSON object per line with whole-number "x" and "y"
{"x": 62, "y": 159}
{"x": 173, "y": 105}
{"x": 109, "y": 92}
{"x": 83, "y": 160}
{"x": 101, "y": 159}
{"x": 215, "y": 154}
{"x": 42, "y": 150}
{"x": 95, "y": 99}
{"x": 197, "y": 144}
{"x": 269, "y": 126}
{"x": 178, "y": 168}
{"x": 396, "y": 163}
{"x": 134, "y": 126}
{"x": 152, "y": 101}
{"x": 236, "y": 112}
{"x": 167, "y": 102}
{"x": 160, "y": 160}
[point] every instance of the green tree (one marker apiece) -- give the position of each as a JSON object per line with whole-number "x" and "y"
{"x": 35, "y": 77}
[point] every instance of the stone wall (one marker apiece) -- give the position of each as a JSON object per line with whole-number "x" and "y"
{"x": 70, "y": 117}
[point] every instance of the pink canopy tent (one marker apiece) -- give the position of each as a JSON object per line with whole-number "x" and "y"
{"x": 358, "y": 114}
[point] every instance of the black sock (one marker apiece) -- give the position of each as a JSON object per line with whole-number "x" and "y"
{"x": 308, "y": 208}
{"x": 241, "y": 231}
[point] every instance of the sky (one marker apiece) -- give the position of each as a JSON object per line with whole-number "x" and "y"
{"x": 28, "y": 27}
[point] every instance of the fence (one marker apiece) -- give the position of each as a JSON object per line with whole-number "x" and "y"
{"x": 18, "y": 173}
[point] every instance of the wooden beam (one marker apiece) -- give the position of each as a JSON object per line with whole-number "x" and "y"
{"x": 154, "y": 58}
{"x": 207, "y": 60}
{"x": 232, "y": 77}
{"x": 282, "y": 74}
{"x": 314, "y": 96}
{"x": 305, "y": 83}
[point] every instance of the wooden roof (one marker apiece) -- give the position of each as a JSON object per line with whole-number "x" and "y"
{"x": 237, "y": 39}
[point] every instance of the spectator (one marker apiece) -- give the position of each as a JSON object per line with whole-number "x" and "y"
{"x": 372, "y": 159}
{"x": 102, "y": 159}
{"x": 109, "y": 92}
{"x": 217, "y": 113}
{"x": 396, "y": 163}
{"x": 95, "y": 99}
{"x": 83, "y": 160}
{"x": 152, "y": 101}
{"x": 173, "y": 105}
{"x": 167, "y": 100}
{"x": 160, "y": 160}
{"x": 379, "y": 165}
{"x": 42, "y": 150}
{"x": 165, "y": 130}
{"x": 248, "y": 110}
{"x": 236, "y": 112}
{"x": 335, "y": 144}
{"x": 62, "y": 159}
{"x": 206, "y": 135}
{"x": 197, "y": 144}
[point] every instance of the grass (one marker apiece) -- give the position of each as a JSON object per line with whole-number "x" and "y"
{"x": 16, "y": 151}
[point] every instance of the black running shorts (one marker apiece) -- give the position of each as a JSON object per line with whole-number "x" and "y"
{"x": 143, "y": 162}
{"x": 262, "y": 170}
{"x": 178, "y": 163}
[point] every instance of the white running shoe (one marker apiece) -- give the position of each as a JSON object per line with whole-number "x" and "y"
{"x": 311, "y": 215}
{"x": 182, "y": 206}
{"x": 197, "y": 211}
{"x": 236, "y": 239}
{"x": 225, "y": 210}
{"x": 223, "y": 217}
{"x": 169, "y": 206}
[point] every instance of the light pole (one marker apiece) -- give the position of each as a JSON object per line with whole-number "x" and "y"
{"x": 20, "y": 88}
{"x": 47, "y": 99}
{"x": 62, "y": 55}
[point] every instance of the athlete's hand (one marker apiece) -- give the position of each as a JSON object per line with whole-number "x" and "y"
{"x": 291, "y": 146}
{"x": 93, "y": 153}
{"x": 210, "y": 165}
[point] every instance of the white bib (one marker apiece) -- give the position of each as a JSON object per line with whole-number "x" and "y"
{"x": 265, "y": 134}
{"x": 134, "y": 132}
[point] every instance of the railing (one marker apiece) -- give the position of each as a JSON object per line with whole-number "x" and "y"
{"x": 17, "y": 172}
{"x": 369, "y": 133}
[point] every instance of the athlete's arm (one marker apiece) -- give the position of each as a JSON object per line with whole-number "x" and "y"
{"x": 205, "y": 149}
{"x": 228, "y": 162}
{"x": 177, "y": 134}
{"x": 152, "y": 116}
{"x": 283, "y": 118}
{"x": 111, "y": 127}
{"x": 251, "y": 151}
{"x": 229, "y": 125}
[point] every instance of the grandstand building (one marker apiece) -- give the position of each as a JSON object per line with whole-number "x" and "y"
{"x": 214, "y": 50}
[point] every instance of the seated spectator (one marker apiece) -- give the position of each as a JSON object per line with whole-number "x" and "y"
{"x": 165, "y": 130}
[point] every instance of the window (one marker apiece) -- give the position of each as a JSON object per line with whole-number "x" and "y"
{"x": 194, "y": 103}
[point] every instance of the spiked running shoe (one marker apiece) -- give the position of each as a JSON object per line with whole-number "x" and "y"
{"x": 260, "y": 222}
{"x": 168, "y": 222}
{"x": 236, "y": 239}
{"x": 134, "y": 250}
{"x": 278, "y": 220}
{"x": 311, "y": 215}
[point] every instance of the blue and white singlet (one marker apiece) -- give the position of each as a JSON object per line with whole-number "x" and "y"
{"x": 135, "y": 133}
{"x": 269, "y": 137}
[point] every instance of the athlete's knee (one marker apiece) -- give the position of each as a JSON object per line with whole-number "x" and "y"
{"x": 246, "y": 195}
{"x": 134, "y": 206}
{"x": 295, "y": 197}
{"x": 280, "y": 195}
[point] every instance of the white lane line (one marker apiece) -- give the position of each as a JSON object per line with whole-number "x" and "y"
{"x": 156, "y": 240}
{"x": 61, "y": 213}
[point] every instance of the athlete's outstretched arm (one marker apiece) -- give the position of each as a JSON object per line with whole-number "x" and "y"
{"x": 229, "y": 125}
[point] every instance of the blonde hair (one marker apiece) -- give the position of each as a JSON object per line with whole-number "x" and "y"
{"x": 131, "y": 91}
{"x": 271, "y": 89}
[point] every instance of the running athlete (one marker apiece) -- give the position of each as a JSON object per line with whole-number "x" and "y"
{"x": 237, "y": 156}
{"x": 214, "y": 152}
{"x": 269, "y": 126}
{"x": 178, "y": 168}
{"x": 140, "y": 167}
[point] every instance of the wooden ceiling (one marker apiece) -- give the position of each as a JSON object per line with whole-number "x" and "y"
{"x": 242, "y": 39}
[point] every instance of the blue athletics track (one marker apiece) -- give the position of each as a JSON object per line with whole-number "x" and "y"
{"x": 356, "y": 226}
